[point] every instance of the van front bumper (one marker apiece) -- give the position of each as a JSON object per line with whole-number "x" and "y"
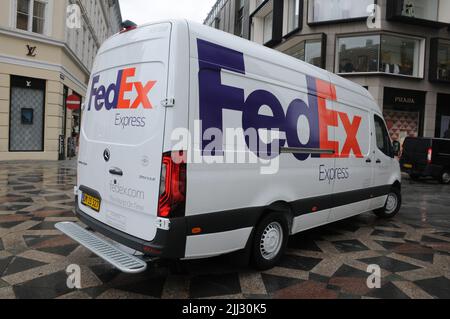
{"x": 168, "y": 244}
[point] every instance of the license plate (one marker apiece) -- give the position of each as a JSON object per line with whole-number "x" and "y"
{"x": 91, "y": 202}
{"x": 407, "y": 166}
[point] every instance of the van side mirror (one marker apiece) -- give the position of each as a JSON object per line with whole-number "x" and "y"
{"x": 397, "y": 147}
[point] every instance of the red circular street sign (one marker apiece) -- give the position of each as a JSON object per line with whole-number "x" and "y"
{"x": 73, "y": 102}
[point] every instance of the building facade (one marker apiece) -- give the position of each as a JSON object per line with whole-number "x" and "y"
{"x": 46, "y": 54}
{"x": 398, "y": 49}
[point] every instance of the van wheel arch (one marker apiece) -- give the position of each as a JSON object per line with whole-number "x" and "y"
{"x": 397, "y": 185}
{"x": 280, "y": 207}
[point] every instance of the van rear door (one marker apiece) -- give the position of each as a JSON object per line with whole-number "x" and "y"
{"x": 123, "y": 131}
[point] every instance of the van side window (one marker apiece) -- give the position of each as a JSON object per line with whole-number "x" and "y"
{"x": 382, "y": 136}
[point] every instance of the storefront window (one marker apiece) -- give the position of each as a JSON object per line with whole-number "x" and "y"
{"x": 379, "y": 53}
{"x": 399, "y": 55}
{"x": 358, "y": 54}
{"x": 293, "y": 15}
{"x": 309, "y": 51}
{"x": 331, "y": 10}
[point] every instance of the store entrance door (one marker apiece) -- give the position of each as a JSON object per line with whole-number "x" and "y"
{"x": 26, "y": 129}
{"x": 443, "y": 116}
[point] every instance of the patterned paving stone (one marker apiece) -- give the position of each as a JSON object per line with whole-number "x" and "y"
{"x": 436, "y": 287}
{"x": 413, "y": 250}
{"x": 390, "y": 264}
{"x": 47, "y": 287}
{"x": 388, "y": 291}
{"x": 298, "y": 262}
{"x": 347, "y": 246}
{"x": 214, "y": 285}
{"x": 4, "y": 264}
{"x": 307, "y": 290}
{"x": 392, "y": 234}
{"x": 350, "y": 272}
{"x": 275, "y": 283}
{"x": 19, "y": 264}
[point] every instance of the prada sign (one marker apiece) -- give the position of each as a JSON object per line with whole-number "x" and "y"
{"x": 405, "y": 100}
{"x": 393, "y": 96}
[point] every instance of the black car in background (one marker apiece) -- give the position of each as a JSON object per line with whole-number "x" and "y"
{"x": 426, "y": 157}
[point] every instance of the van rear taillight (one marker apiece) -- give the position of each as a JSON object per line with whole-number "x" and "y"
{"x": 430, "y": 155}
{"x": 172, "y": 189}
{"x": 128, "y": 26}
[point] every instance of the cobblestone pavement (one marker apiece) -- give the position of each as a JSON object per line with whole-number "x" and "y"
{"x": 413, "y": 251}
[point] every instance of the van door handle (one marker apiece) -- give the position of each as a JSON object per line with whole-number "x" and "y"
{"x": 303, "y": 150}
{"x": 116, "y": 171}
{"x": 378, "y": 161}
{"x": 368, "y": 160}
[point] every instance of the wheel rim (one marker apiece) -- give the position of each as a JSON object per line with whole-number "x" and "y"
{"x": 391, "y": 203}
{"x": 446, "y": 178}
{"x": 271, "y": 241}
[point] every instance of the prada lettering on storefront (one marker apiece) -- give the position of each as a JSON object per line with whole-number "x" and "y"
{"x": 406, "y": 100}
{"x": 402, "y": 97}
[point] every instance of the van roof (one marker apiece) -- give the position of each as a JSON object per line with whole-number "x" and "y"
{"x": 246, "y": 46}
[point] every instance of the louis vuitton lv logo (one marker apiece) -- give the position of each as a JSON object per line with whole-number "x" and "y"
{"x": 31, "y": 50}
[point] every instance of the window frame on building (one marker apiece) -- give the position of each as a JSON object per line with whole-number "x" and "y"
{"x": 396, "y": 12}
{"x": 394, "y": 69}
{"x": 239, "y": 18}
{"x": 30, "y": 26}
{"x": 303, "y": 40}
{"x": 257, "y": 19}
{"x": 434, "y": 72}
{"x": 289, "y": 11}
{"x": 311, "y": 20}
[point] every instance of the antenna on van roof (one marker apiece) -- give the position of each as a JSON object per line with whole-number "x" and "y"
{"x": 127, "y": 26}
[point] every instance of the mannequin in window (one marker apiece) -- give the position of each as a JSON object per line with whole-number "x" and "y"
{"x": 347, "y": 66}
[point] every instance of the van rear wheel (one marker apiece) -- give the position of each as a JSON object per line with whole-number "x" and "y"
{"x": 270, "y": 240}
{"x": 392, "y": 206}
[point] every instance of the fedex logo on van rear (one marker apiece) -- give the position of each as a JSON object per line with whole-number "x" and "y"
{"x": 216, "y": 97}
{"x": 114, "y": 95}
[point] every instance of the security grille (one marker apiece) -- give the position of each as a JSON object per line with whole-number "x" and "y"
{"x": 27, "y": 119}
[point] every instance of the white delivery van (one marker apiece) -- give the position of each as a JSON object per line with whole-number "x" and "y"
{"x": 154, "y": 197}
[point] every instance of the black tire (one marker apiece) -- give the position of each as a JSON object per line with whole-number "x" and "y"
{"x": 445, "y": 177}
{"x": 414, "y": 177}
{"x": 390, "y": 212}
{"x": 266, "y": 261}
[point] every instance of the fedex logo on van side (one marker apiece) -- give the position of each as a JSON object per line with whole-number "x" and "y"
{"x": 215, "y": 97}
{"x": 113, "y": 96}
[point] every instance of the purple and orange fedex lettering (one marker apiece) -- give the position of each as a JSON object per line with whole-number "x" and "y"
{"x": 216, "y": 97}
{"x": 103, "y": 96}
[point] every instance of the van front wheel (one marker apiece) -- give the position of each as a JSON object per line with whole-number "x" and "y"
{"x": 392, "y": 206}
{"x": 270, "y": 240}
